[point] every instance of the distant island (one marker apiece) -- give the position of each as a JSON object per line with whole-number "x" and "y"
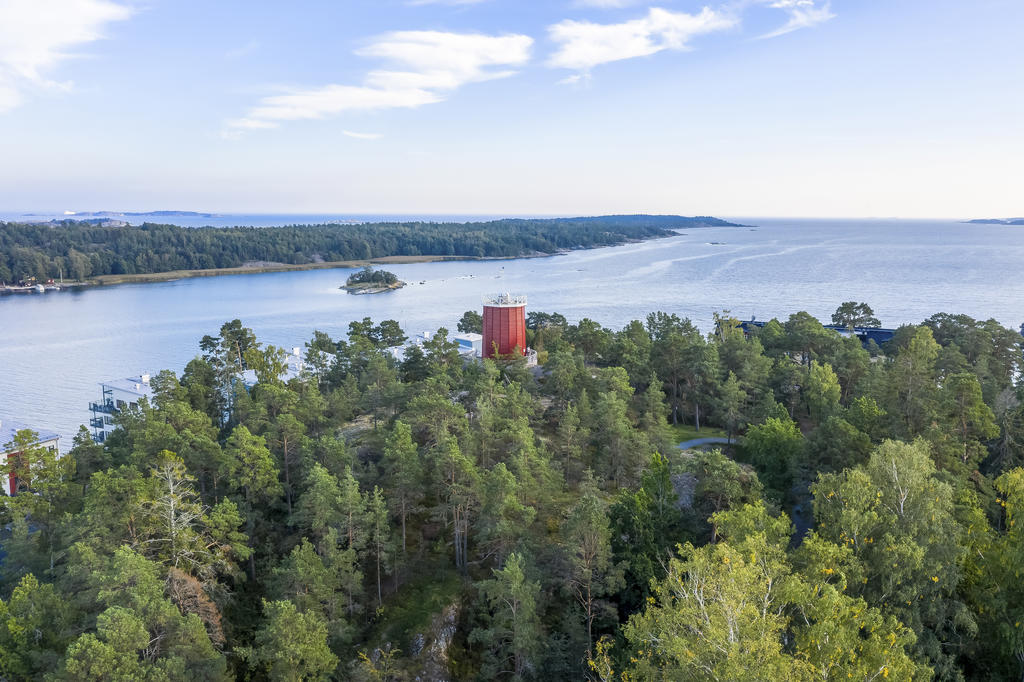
{"x": 370, "y": 281}
{"x": 100, "y": 222}
{"x": 114, "y": 218}
{"x": 163, "y": 214}
{"x": 106, "y": 251}
{"x": 669, "y": 222}
{"x": 996, "y": 221}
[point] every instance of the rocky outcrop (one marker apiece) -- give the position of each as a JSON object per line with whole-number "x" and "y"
{"x": 684, "y": 485}
{"x": 433, "y": 657}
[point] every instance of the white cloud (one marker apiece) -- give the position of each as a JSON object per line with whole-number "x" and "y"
{"x": 37, "y": 35}
{"x": 329, "y": 100}
{"x": 428, "y": 65}
{"x": 584, "y": 44}
{"x": 576, "y": 79}
{"x": 802, "y": 14}
{"x": 446, "y": 61}
{"x": 362, "y": 136}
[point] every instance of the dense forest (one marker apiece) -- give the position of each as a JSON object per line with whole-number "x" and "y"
{"x": 436, "y": 519}
{"x": 78, "y": 250}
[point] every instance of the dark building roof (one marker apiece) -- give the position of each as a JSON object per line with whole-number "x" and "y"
{"x": 865, "y": 334}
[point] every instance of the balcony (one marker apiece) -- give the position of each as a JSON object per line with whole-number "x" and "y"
{"x": 103, "y": 408}
{"x": 96, "y": 422}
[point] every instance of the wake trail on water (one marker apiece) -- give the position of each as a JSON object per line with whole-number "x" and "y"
{"x": 784, "y": 252}
{"x": 662, "y": 265}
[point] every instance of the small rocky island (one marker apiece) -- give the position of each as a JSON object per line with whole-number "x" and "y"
{"x": 370, "y": 281}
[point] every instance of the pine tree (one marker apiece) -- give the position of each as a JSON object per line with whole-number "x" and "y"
{"x": 291, "y": 645}
{"x": 588, "y": 544}
{"x": 379, "y": 536}
{"x": 402, "y": 466}
{"x": 512, "y": 638}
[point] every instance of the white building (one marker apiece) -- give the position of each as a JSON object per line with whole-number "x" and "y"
{"x": 398, "y": 352}
{"x": 470, "y": 345}
{"x": 294, "y": 365}
{"x": 8, "y": 430}
{"x": 117, "y": 395}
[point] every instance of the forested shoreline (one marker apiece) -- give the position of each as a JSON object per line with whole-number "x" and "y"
{"x": 435, "y": 519}
{"x": 79, "y": 250}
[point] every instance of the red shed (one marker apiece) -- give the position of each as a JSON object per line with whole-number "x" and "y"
{"x": 504, "y": 325}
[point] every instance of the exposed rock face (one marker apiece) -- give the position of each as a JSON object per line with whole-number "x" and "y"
{"x": 416, "y": 647}
{"x": 427, "y": 658}
{"x": 435, "y": 655}
{"x": 684, "y": 486}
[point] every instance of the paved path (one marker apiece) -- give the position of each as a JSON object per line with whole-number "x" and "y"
{"x": 697, "y": 442}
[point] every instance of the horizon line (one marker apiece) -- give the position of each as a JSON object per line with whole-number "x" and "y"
{"x": 483, "y": 214}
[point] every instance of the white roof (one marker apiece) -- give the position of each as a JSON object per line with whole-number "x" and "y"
{"x": 133, "y": 385}
{"x": 9, "y": 428}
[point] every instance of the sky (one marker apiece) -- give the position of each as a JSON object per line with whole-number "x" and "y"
{"x": 790, "y": 108}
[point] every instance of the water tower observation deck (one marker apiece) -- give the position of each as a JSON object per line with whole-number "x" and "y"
{"x": 505, "y": 300}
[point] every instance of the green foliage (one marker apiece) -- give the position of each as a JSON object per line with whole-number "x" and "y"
{"x": 291, "y": 645}
{"x": 806, "y": 337}
{"x": 732, "y": 400}
{"x": 370, "y": 276}
{"x": 898, "y": 519}
{"x": 513, "y": 636}
{"x": 86, "y": 249}
{"x": 774, "y": 448}
{"x": 504, "y": 519}
{"x": 969, "y": 419}
{"x": 822, "y": 391}
{"x": 443, "y": 519}
{"x": 141, "y": 634}
{"x": 405, "y": 470}
{"x": 1001, "y": 593}
{"x": 645, "y": 527}
{"x": 379, "y": 537}
{"x": 471, "y": 322}
{"x": 316, "y": 582}
{"x": 835, "y": 445}
{"x": 852, "y": 314}
{"x": 47, "y": 491}
{"x": 588, "y": 542}
{"x": 913, "y": 394}
{"x": 727, "y": 611}
{"x": 992, "y": 351}
{"x": 721, "y": 484}
{"x": 34, "y": 630}
{"x": 866, "y": 416}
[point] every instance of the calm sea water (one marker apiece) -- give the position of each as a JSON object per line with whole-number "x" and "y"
{"x": 56, "y": 348}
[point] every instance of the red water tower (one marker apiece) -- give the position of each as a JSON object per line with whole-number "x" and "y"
{"x": 504, "y": 325}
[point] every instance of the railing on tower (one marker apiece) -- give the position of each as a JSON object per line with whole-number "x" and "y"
{"x": 504, "y": 300}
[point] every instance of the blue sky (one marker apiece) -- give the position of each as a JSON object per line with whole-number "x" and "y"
{"x": 848, "y": 108}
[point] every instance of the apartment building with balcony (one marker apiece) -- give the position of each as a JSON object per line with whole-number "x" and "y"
{"x": 117, "y": 395}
